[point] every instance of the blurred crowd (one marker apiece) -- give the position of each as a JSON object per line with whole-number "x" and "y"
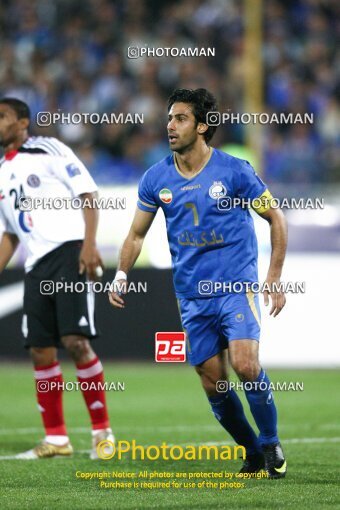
{"x": 71, "y": 56}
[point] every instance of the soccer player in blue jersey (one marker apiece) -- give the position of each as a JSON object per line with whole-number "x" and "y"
{"x": 213, "y": 248}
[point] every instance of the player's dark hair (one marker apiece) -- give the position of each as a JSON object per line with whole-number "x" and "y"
{"x": 202, "y": 102}
{"x": 21, "y": 109}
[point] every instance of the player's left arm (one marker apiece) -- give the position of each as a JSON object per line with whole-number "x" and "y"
{"x": 252, "y": 187}
{"x": 89, "y": 259}
{"x": 73, "y": 173}
{"x": 278, "y": 237}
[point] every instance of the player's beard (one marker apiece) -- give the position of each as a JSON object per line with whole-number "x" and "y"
{"x": 184, "y": 147}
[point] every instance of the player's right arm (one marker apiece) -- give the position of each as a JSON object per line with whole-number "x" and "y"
{"x": 131, "y": 249}
{"x": 8, "y": 245}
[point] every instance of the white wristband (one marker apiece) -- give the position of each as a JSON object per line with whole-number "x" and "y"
{"x": 99, "y": 271}
{"x": 120, "y": 275}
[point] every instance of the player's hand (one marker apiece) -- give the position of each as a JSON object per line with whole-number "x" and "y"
{"x": 277, "y": 297}
{"x": 119, "y": 287}
{"x": 90, "y": 261}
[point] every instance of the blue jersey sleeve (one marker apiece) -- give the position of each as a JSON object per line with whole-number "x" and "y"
{"x": 146, "y": 200}
{"x": 250, "y": 184}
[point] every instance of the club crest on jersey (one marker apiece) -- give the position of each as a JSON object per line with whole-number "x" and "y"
{"x": 239, "y": 317}
{"x": 72, "y": 170}
{"x": 217, "y": 190}
{"x": 33, "y": 181}
{"x": 165, "y": 195}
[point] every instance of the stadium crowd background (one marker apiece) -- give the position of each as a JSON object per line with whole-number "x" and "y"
{"x": 71, "y": 55}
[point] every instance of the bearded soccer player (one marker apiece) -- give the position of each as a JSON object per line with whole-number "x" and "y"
{"x": 210, "y": 244}
{"x": 61, "y": 247}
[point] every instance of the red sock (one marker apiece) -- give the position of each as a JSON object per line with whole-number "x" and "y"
{"x": 92, "y": 373}
{"x": 49, "y": 396}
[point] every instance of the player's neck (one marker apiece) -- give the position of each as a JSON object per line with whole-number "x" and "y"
{"x": 16, "y": 144}
{"x": 192, "y": 161}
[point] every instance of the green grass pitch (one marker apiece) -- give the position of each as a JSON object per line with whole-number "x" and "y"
{"x": 164, "y": 403}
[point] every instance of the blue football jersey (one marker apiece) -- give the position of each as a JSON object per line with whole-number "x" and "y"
{"x": 209, "y": 241}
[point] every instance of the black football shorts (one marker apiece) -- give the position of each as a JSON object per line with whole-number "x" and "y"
{"x": 52, "y": 309}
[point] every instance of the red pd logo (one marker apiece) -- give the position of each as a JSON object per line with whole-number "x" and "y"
{"x": 170, "y": 347}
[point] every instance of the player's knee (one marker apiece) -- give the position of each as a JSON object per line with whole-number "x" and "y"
{"x": 208, "y": 380}
{"x": 78, "y": 347}
{"x": 43, "y": 356}
{"x": 247, "y": 370}
{"x": 209, "y": 386}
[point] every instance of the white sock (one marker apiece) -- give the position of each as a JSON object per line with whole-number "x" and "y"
{"x": 98, "y": 431}
{"x": 57, "y": 440}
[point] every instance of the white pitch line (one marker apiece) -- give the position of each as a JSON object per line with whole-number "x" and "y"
{"x": 84, "y": 430}
{"x": 301, "y": 440}
{"x": 155, "y": 428}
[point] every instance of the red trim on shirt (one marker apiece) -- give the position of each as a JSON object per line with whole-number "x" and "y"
{"x": 10, "y": 155}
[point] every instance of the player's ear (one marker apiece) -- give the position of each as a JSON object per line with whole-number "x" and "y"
{"x": 24, "y": 123}
{"x": 202, "y": 128}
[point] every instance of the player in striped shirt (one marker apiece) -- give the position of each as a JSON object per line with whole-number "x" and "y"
{"x": 61, "y": 247}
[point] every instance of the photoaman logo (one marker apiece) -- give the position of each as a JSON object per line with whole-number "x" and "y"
{"x": 165, "y": 195}
{"x": 106, "y": 450}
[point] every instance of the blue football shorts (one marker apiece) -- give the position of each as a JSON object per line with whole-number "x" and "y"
{"x": 210, "y": 323}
